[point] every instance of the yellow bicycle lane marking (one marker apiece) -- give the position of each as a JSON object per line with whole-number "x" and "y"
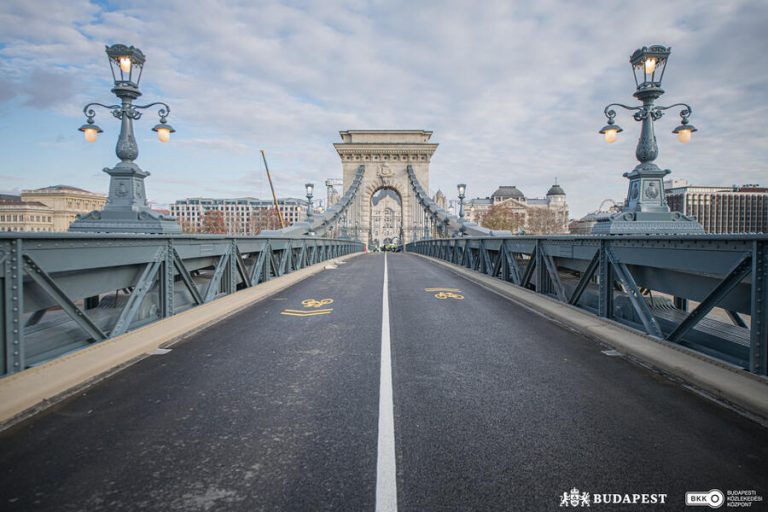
{"x": 294, "y": 312}
{"x": 445, "y": 293}
{"x": 314, "y": 303}
{"x": 310, "y": 303}
{"x": 449, "y": 295}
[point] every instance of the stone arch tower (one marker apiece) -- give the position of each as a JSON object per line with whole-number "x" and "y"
{"x": 386, "y": 155}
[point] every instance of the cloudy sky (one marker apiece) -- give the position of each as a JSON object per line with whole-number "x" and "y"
{"x": 513, "y": 90}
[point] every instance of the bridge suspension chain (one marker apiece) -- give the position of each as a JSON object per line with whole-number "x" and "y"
{"x": 451, "y": 225}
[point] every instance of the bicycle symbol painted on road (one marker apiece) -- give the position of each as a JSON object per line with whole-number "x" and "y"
{"x": 314, "y": 303}
{"x": 448, "y": 295}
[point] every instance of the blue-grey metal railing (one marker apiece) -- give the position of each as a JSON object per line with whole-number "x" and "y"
{"x": 65, "y": 291}
{"x": 647, "y": 282}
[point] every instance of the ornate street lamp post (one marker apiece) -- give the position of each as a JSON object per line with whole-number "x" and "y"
{"x": 462, "y": 188}
{"x": 310, "y": 188}
{"x": 646, "y": 210}
{"x": 126, "y": 210}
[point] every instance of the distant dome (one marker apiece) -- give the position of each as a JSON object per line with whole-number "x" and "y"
{"x": 507, "y": 192}
{"x": 556, "y": 190}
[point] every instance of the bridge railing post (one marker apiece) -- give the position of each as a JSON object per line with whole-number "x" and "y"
{"x": 14, "y": 357}
{"x": 758, "y": 334}
{"x": 166, "y": 281}
{"x": 605, "y": 283}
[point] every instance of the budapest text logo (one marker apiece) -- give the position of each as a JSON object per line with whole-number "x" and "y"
{"x": 585, "y": 499}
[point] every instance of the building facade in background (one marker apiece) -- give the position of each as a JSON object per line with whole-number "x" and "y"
{"x": 509, "y": 208}
{"x": 734, "y": 209}
{"x": 18, "y": 215}
{"x": 47, "y": 209}
{"x": 67, "y": 202}
{"x": 236, "y": 216}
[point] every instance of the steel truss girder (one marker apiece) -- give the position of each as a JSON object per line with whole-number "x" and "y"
{"x": 525, "y": 281}
{"x": 38, "y": 272}
{"x": 140, "y": 289}
{"x": 260, "y": 271}
{"x": 586, "y": 276}
{"x": 212, "y": 290}
{"x": 734, "y": 277}
{"x": 186, "y": 278}
{"x": 635, "y": 297}
{"x": 47, "y": 284}
{"x": 688, "y": 268}
{"x": 554, "y": 276}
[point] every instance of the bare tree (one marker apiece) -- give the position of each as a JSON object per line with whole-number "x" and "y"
{"x": 543, "y": 221}
{"x": 504, "y": 217}
{"x": 213, "y": 222}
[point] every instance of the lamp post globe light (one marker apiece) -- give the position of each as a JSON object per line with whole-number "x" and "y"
{"x": 646, "y": 210}
{"x": 126, "y": 210}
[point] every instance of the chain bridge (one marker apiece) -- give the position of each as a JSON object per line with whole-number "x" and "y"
{"x": 471, "y": 370}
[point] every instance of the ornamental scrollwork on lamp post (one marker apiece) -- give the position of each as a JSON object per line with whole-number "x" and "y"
{"x": 127, "y": 210}
{"x": 646, "y": 210}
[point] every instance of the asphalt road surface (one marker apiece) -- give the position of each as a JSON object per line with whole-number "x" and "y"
{"x": 278, "y": 408}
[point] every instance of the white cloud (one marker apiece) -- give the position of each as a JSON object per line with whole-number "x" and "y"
{"x": 514, "y": 91}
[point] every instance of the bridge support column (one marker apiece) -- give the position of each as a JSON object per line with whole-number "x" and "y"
{"x": 758, "y": 339}
{"x": 605, "y": 300}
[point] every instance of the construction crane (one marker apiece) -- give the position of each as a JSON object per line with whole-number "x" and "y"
{"x": 272, "y": 187}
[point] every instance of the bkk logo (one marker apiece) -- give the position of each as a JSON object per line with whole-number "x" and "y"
{"x": 585, "y": 499}
{"x": 713, "y": 499}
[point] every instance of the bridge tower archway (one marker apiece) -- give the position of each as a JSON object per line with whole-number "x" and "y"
{"x": 386, "y": 155}
{"x": 386, "y": 217}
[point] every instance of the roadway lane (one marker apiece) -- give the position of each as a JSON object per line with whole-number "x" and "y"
{"x": 261, "y": 412}
{"x": 496, "y": 408}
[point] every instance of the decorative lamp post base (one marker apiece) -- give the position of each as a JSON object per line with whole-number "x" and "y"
{"x": 116, "y": 221}
{"x": 646, "y": 211}
{"x": 126, "y": 210}
{"x": 648, "y": 223}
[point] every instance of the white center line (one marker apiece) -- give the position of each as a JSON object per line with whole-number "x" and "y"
{"x": 386, "y": 476}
